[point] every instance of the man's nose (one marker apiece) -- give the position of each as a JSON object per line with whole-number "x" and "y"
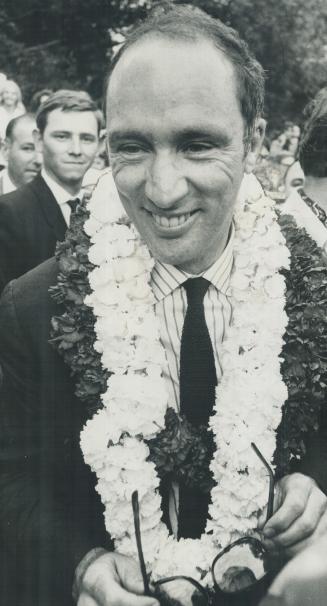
{"x": 37, "y": 160}
{"x": 75, "y": 146}
{"x": 165, "y": 183}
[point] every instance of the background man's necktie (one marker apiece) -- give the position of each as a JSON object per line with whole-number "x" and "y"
{"x": 73, "y": 204}
{"x": 198, "y": 380}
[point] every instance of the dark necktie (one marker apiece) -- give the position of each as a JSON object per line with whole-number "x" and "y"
{"x": 73, "y": 204}
{"x": 198, "y": 381}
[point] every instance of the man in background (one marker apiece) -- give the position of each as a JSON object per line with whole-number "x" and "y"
{"x": 23, "y": 161}
{"x": 312, "y": 196}
{"x": 35, "y": 217}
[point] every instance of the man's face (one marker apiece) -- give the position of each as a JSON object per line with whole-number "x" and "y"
{"x": 69, "y": 144}
{"x": 24, "y": 162}
{"x": 176, "y": 147}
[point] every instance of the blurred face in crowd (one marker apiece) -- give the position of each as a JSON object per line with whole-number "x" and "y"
{"x": 10, "y": 94}
{"x": 24, "y": 162}
{"x": 69, "y": 144}
{"x": 176, "y": 147}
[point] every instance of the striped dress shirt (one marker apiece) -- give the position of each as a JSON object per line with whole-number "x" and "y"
{"x": 171, "y": 304}
{"x": 170, "y": 307}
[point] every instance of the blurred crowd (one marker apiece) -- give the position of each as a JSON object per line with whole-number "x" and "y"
{"x": 292, "y": 164}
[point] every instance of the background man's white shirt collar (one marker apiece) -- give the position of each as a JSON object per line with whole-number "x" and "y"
{"x": 7, "y": 184}
{"x": 61, "y": 195}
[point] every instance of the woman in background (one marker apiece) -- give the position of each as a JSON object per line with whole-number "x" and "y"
{"x": 11, "y": 105}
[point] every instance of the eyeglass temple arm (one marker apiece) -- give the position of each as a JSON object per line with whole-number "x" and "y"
{"x": 270, "y": 506}
{"x": 136, "y": 513}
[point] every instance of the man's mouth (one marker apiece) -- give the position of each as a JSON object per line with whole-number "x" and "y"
{"x": 171, "y": 222}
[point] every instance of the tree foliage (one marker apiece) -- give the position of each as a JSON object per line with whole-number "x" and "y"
{"x": 69, "y": 42}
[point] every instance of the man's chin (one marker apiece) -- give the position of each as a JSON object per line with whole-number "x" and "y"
{"x": 183, "y": 261}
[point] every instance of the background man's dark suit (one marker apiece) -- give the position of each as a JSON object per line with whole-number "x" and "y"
{"x": 31, "y": 222}
{"x": 50, "y": 514}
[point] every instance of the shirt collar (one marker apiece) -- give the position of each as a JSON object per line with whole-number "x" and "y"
{"x": 7, "y": 185}
{"x": 60, "y": 193}
{"x": 166, "y": 278}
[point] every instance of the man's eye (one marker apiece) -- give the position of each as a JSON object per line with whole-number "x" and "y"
{"x": 60, "y": 136}
{"x": 131, "y": 149}
{"x": 197, "y": 147}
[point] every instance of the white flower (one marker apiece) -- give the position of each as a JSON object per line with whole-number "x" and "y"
{"x": 105, "y": 204}
{"x": 136, "y": 399}
{"x": 275, "y": 286}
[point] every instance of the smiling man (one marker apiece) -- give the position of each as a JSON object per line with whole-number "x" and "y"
{"x": 36, "y": 216}
{"x": 184, "y": 104}
{"x": 177, "y": 146}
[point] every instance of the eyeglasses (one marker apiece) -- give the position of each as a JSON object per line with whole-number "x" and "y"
{"x": 239, "y": 572}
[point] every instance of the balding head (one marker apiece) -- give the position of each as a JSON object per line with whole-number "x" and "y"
{"x": 23, "y": 161}
{"x": 190, "y": 25}
{"x": 17, "y": 123}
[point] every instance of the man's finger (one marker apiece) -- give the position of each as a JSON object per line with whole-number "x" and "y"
{"x": 131, "y": 577}
{"x": 304, "y": 525}
{"x": 86, "y": 600}
{"x": 114, "y": 580}
{"x": 295, "y": 491}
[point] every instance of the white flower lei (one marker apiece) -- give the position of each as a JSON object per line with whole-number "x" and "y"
{"x": 249, "y": 398}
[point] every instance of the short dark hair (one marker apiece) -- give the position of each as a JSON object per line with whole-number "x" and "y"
{"x": 66, "y": 100}
{"x": 36, "y": 99}
{"x": 184, "y": 22}
{"x": 313, "y": 141}
{"x": 11, "y": 126}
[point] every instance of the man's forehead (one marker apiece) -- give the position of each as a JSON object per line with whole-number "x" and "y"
{"x": 165, "y": 57}
{"x": 24, "y": 130}
{"x": 161, "y": 78}
{"x": 68, "y": 118}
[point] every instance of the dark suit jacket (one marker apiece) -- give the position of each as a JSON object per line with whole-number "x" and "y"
{"x": 31, "y": 222}
{"x": 50, "y": 513}
{"x": 1, "y": 184}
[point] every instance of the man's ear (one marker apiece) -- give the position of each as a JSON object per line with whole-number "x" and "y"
{"x": 255, "y": 144}
{"x": 38, "y": 140}
{"x": 6, "y": 148}
{"x": 108, "y": 149}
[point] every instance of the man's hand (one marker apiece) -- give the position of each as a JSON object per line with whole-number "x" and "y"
{"x": 303, "y": 581}
{"x": 300, "y": 515}
{"x": 113, "y": 580}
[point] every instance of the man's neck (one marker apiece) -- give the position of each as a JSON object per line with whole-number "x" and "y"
{"x": 11, "y": 180}
{"x": 316, "y": 189}
{"x": 72, "y": 188}
{"x": 199, "y": 267}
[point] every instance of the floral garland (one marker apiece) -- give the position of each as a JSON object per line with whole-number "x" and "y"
{"x": 126, "y": 342}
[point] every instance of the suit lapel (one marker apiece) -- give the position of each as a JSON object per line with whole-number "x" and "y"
{"x": 49, "y": 207}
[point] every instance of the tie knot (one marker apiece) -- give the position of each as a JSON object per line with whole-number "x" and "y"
{"x": 73, "y": 204}
{"x": 196, "y": 288}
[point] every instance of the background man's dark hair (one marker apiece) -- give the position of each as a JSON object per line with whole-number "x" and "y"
{"x": 313, "y": 142}
{"x": 184, "y": 22}
{"x": 10, "y": 130}
{"x": 66, "y": 100}
{"x": 37, "y": 98}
